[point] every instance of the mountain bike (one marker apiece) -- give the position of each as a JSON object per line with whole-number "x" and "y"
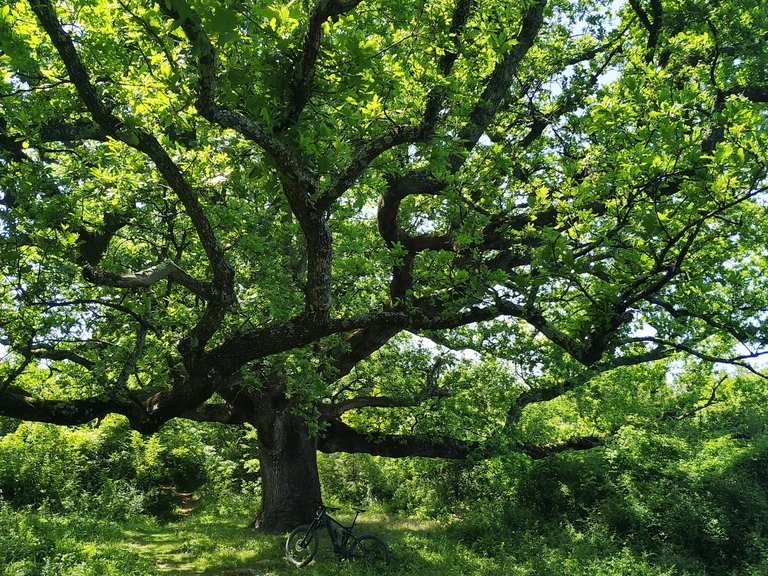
{"x": 302, "y": 542}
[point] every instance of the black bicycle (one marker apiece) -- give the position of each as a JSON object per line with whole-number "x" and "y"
{"x": 301, "y": 545}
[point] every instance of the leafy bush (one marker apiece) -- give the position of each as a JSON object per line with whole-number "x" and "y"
{"x": 106, "y": 470}
{"x": 37, "y": 464}
{"x": 21, "y": 547}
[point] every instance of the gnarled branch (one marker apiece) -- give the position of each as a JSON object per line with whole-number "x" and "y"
{"x": 149, "y": 277}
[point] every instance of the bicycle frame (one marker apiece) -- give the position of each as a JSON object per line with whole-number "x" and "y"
{"x": 339, "y": 538}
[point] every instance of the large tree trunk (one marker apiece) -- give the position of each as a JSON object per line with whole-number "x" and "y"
{"x": 289, "y": 478}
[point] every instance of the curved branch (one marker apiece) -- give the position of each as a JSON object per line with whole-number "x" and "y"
{"x": 340, "y": 437}
{"x": 17, "y": 403}
{"x": 149, "y": 277}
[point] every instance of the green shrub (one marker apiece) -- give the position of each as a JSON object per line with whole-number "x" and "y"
{"x": 185, "y": 468}
{"x": 36, "y": 466}
{"x": 21, "y": 546}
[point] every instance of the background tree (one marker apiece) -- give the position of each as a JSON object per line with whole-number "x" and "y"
{"x": 232, "y": 211}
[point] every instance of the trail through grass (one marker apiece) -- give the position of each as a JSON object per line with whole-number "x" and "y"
{"x": 203, "y": 544}
{"x": 212, "y": 543}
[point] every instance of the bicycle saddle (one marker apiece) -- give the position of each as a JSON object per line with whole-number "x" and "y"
{"x": 359, "y": 510}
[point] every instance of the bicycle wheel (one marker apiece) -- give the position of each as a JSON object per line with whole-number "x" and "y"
{"x": 371, "y": 550}
{"x": 301, "y": 548}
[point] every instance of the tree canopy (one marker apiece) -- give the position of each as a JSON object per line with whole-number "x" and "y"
{"x": 233, "y": 210}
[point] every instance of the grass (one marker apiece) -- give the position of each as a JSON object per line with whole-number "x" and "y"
{"x": 208, "y": 543}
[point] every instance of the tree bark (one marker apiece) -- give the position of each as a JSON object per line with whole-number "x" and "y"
{"x": 289, "y": 477}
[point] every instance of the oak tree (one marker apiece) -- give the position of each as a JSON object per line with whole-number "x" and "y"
{"x": 234, "y": 210}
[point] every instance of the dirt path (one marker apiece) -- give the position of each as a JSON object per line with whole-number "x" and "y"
{"x": 170, "y": 548}
{"x": 187, "y": 504}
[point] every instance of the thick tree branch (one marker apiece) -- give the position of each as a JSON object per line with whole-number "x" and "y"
{"x": 271, "y": 339}
{"x": 17, "y": 403}
{"x": 51, "y": 353}
{"x": 149, "y": 277}
{"x": 651, "y": 22}
{"x": 340, "y": 437}
{"x": 540, "y": 451}
{"x": 93, "y": 244}
{"x": 534, "y": 395}
{"x": 222, "y": 413}
{"x": 357, "y": 347}
{"x": 758, "y": 94}
{"x": 497, "y": 86}
{"x": 304, "y": 71}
